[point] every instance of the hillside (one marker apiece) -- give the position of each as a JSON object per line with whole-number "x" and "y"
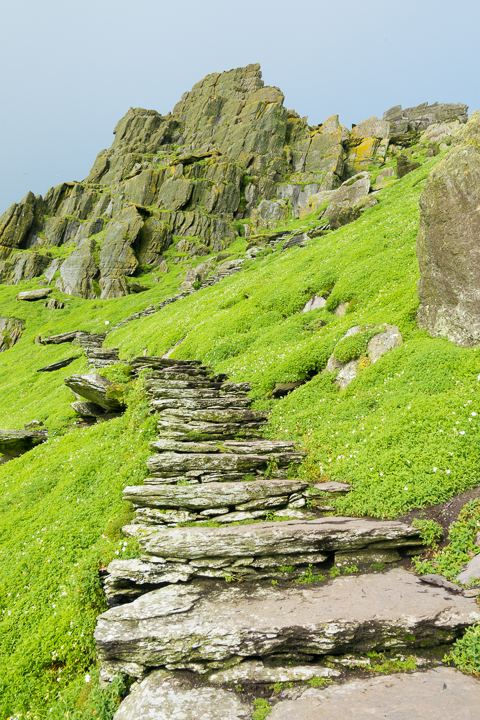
{"x": 248, "y": 213}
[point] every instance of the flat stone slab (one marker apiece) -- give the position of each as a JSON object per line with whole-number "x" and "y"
{"x": 471, "y": 572}
{"x": 17, "y": 442}
{"x": 432, "y": 695}
{"x": 323, "y": 534}
{"x": 39, "y": 294}
{"x": 163, "y": 696}
{"x": 177, "y": 626}
{"x": 58, "y": 365}
{"x": 93, "y": 388}
{"x": 173, "y": 463}
{"x": 255, "y": 671}
{"x": 213, "y": 495}
{"x": 87, "y": 409}
{"x": 60, "y": 338}
{"x": 333, "y": 487}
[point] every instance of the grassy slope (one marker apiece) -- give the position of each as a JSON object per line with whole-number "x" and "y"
{"x": 61, "y": 506}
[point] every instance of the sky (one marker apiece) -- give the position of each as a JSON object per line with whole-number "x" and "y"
{"x": 70, "y": 71}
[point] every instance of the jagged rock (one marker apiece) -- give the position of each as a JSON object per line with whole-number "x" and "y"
{"x": 449, "y": 223}
{"x": 11, "y": 330}
{"x": 54, "y": 267}
{"x": 53, "y": 304}
{"x": 18, "y": 442}
{"x": 367, "y": 139}
{"x": 405, "y": 166}
{"x": 31, "y": 295}
{"x": 421, "y": 116}
{"x": 25, "y": 266}
{"x": 95, "y": 389}
{"x": 16, "y": 222}
{"x": 350, "y": 614}
{"x": 165, "y": 696}
{"x": 154, "y": 238}
{"x": 79, "y": 270}
{"x": 383, "y": 342}
{"x": 58, "y": 365}
{"x": 438, "y": 693}
{"x": 439, "y": 131}
{"x": 314, "y": 303}
{"x": 117, "y": 258}
{"x": 324, "y": 534}
{"x": 338, "y": 215}
{"x": 87, "y": 409}
{"x": 268, "y": 214}
{"x": 259, "y": 494}
{"x": 60, "y": 338}
{"x": 471, "y": 571}
{"x": 352, "y": 190}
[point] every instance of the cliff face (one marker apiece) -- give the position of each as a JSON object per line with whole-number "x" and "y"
{"x": 228, "y": 145}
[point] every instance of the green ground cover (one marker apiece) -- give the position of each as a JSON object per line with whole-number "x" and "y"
{"x": 404, "y": 433}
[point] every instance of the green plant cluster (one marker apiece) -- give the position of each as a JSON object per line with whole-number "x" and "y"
{"x": 353, "y": 346}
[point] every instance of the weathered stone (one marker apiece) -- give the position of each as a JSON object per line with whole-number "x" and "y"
{"x": 87, "y": 409}
{"x": 324, "y": 534}
{"x": 15, "y": 224}
{"x": 282, "y": 389}
{"x": 314, "y": 304}
{"x": 154, "y": 238}
{"x": 449, "y": 225}
{"x": 79, "y": 270}
{"x": 117, "y": 258}
{"x": 366, "y": 558}
{"x": 58, "y": 365}
{"x": 60, "y": 338}
{"x": 11, "y": 330}
{"x": 164, "y": 696}
{"x": 471, "y": 571}
{"x": 438, "y": 693}
{"x": 176, "y": 463}
{"x": 440, "y": 581}
{"x": 405, "y": 166}
{"x": 421, "y": 116}
{"x": 350, "y": 614}
{"x": 95, "y": 389}
{"x": 53, "y": 304}
{"x": 255, "y": 671}
{"x": 333, "y": 487}
{"x": 214, "y": 495}
{"x": 18, "y": 442}
{"x": 383, "y": 342}
{"x": 26, "y": 266}
{"x": 39, "y": 294}
{"x": 338, "y": 215}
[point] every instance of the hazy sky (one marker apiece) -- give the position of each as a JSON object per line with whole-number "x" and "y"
{"x": 70, "y": 71}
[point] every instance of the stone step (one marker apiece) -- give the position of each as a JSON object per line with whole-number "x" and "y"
{"x": 176, "y": 393}
{"x": 253, "y": 447}
{"x": 94, "y": 388}
{"x": 202, "y": 625}
{"x": 146, "y": 362}
{"x": 153, "y": 385}
{"x": 170, "y": 464}
{"x": 216, "y": 403}
{"x": 253, "y": 495}
{"x": 439, "y": 692}
{"x": 168, "y": 428}
{"x": 60, "y": 338}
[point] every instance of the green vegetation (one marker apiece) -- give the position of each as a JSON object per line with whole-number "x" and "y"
{"x": 262, "y": 709}
{"x": 404, "y": 434}
{"x": 430, "y": 531}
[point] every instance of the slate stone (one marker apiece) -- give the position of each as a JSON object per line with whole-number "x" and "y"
{"x": 11, "y": 330}
{"x": 471, "y": 571}
{"x": 58, "y": 365}
{"x": 350, "y": 614}
{"x": 405, "y": 166}
{"x": 18, "y": 442}
{"x": 255, "y": 671}
{"x": 87, "y": 409}
{"x": 79, "y": 270}
{"x": 437, "y": 693}
{"x": 165, "y": 696}
{"x": 94, "y": 388}
{"x": 60, "y": 338}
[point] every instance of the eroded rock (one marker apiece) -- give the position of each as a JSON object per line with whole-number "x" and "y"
{"x": 95, "y": 389}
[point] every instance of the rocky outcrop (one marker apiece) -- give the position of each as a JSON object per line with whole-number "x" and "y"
{"x": 79, "y": 270}
{"x": 11, "y": 330}
{"x": 32, "y": 295}
{"x": 447, "y": 244}
{"x": 421, "y": 116}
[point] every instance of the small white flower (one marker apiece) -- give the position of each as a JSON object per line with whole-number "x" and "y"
{"x": 405, "y": 488}
{"x": 381, "y": 474}
{"x": 462, "y": 432}
{"x": 434, "y": 469}
{"x": 448, "y": 472}
{"x": 473, "y": 414}
{"x": 409, "y": 407}
{"x": 87, "y": 678}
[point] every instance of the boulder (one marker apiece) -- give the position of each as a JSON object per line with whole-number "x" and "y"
{"x": 470, "y": 572}
{"x": 117, "y": 258}
{"x": 449, "y": 226}
{"x": 58, "y": 365}
{"x": 350, "y": 614}
{"x": 314, "y": 304}
{"x": 154, "y": 238}
{"x": 11, "y": 330}
{"x": 383, "y": 342}
{"x": 437, "y": 693}
{"x": 338, "y": 215}
{"x": 17, "y": 442}
{"x": 95, "y": 389}
{"x": 87, "y": 409}
{"x": 422, "y": 116}
{"x": 26, "y": 266}
{"x": 31, "y": 295}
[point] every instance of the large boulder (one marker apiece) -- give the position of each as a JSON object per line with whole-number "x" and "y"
{"x": 448, "y": 242}
{"x": 117, "y": 258}
{"x": 78, "y": 272}
{"x": 94, "y": 388}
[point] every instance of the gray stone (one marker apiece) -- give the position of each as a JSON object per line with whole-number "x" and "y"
{"x": 383, "y": 342}
{"x": 94, "y": 388}
{"x": 204, "y": 622}
{"x": 255, "y": 671}
{"x": 405, "y": 166}
{"x": 11, "y": 330}
{"x": 215, "y": 495}
{"x": 447, "y": 242}
{"x": 314, "y": 303}
{"x": 471, "y": 572}
{"x": 17, "y": 442}
{"x": 421, "y": 116}
{"x": 78, "y": 272}
{"x": 58, "y": 365}
{"x": 332, "y": 486}
{"x": 87, "y": 409}
{"x": 30, "y": 295}
{"x": 440, "y": 581}
{"x": 164, "y": 696}
{"x": 366, "y": 558}
{"x": 324, "y": 534}
{"x": 60, "y": 338}
{"x": 437, "y": 693}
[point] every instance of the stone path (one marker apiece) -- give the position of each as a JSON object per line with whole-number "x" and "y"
{"x": 232, "y": 582}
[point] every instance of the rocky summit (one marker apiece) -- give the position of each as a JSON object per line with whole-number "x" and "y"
{"x": 239, "y": 449}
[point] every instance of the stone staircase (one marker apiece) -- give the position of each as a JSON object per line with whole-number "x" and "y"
{"x": 240, "y": 583}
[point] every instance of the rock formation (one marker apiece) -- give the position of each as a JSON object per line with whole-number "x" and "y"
{"x": 448, "y": 242}
{"x": 230, "y": 150}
